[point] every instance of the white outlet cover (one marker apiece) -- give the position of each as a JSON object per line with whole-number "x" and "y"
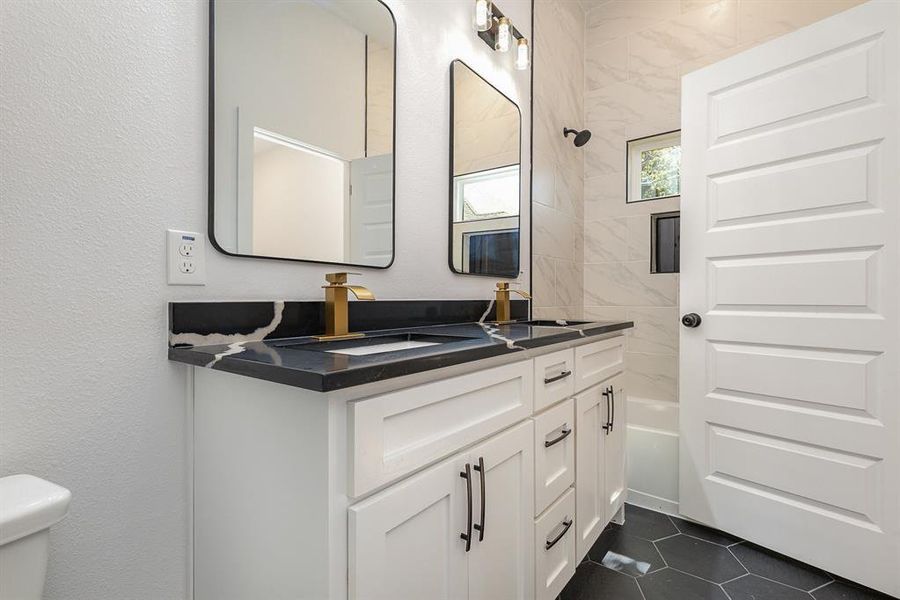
{"x": 186, "y": 257}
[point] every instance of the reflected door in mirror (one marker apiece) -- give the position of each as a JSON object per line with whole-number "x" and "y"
{"x": 302, "y": 122}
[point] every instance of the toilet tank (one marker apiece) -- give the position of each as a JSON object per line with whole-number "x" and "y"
{"x": 28, "y": 507}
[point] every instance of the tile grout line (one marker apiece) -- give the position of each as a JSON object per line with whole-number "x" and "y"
{"x": 822, "y": 586}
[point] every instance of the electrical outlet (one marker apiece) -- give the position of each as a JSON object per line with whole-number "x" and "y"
{"x": 186, "y": 257}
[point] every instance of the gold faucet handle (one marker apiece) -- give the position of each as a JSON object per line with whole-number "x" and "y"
{"x": 338, "y": 278}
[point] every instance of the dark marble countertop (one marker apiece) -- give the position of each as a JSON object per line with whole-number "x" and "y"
{"x": 304, "y": 362}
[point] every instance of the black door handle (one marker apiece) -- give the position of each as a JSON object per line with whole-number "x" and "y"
{"x": 467, "y": 536}
{"x": 691, "y": 320}
{"x": 566, "y": 525}
{"x": 562, "y": 375}
{"x": 607, "y": 393}
{"x": 563, "y": 434}
{"x": 480, "y": 527}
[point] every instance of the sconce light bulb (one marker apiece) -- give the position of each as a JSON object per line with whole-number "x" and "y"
{"x": 482, "y": 15}
{"x": 522, "y": 55}
{"x": 503, "y": 34}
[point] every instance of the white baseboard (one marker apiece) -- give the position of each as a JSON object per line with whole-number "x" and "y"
{"x": 669, "y": 507}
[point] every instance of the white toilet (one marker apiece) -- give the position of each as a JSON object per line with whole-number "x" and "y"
{"x": 28, "y": 507}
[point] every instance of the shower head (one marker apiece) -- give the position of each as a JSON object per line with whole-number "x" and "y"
{"x": 581, "y": 137}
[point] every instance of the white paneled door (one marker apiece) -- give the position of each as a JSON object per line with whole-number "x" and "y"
{"x": 790, "y": 383}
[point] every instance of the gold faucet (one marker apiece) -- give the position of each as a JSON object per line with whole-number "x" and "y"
{"x": 503, "y": 291}
{"x": 336, "y": 309}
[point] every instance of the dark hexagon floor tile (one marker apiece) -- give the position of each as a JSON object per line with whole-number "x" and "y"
{"x": 777, "y": 567}
{"x": 705, "y": 533}
{"x": 647, "y": 524}
{"x": 593, "y": 582}
{"x": 703, "y": 559}
{"x": 751, "y": 587}
{"x": 669, "y": 584}
{"x": 842, "y": 590}
{"x": 625, "y": 553}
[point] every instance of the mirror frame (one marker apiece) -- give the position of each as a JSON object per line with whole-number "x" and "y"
{"x": 450, "y": 193}
{"x": 211, "y": 149}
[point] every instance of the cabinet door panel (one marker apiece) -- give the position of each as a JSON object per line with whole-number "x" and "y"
{"x": 404, "y": 543}
{"x": 614, "y": 453}
{"x": 502, "y": 564}
{"x": 590, "y": 462}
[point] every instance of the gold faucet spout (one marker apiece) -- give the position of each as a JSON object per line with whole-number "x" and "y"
{"x": 502, "y": 300}
{"x": 361, "y": 293}
{"x": 337, "y": 306}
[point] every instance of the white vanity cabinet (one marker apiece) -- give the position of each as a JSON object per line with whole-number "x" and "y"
{"x": 408, "y": 540}
{"x": 369, "y": 492}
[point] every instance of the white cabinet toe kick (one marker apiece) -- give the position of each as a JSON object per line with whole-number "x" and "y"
{"x": 487, "y": 485}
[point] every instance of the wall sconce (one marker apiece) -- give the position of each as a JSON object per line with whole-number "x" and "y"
{"x": 498, "y": 32}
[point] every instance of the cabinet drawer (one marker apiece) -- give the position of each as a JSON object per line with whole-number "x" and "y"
{"x": 595, "y": 362}
{"x": 395, "y": 434}
{"x": 554, "y": 454}
{"x": 554, "y": 566}
{"x": 554, "y": 378}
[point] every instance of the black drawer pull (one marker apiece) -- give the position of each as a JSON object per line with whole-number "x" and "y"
{"x": 562, "y": 375}
{"x": 566, "y": 525}
{"x": 467, "y": 536}
{"x": 480, "y": 528}
{"x": 562, "y": 435}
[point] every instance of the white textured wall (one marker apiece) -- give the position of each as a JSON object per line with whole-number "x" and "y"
{"x": 103, "y": 123}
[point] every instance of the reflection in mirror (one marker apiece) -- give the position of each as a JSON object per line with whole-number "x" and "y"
{"x": 485, "y": 157}
{"x": 303, "y": 121}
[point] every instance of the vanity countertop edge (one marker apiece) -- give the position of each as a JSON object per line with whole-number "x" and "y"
{"x": 285, "y": 361}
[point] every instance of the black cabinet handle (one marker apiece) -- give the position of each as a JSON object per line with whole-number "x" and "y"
{"x": 566, "y": 525}
{"x": 467, "y": 536}
{"x": 607, "y": 393}
{"x": 566, "y": 431}
{"x": 691, "y": 320}
{"x": 612, "y": 418}
{"x": 480, "y": 528}
{"x": 562, "y": 375}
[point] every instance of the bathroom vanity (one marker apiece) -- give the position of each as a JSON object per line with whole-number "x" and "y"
{"x": 478, "y": 461}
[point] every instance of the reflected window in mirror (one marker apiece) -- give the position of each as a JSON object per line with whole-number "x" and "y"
{"x": 302, "y": 130}
{"x": 485, "y": 177}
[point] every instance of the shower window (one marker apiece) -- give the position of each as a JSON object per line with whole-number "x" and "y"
{"x": 654, "y": 167}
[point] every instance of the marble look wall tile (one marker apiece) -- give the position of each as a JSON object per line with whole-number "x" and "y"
{"x": 655, "y": 330}
{"x": 693, "y": 34}
{"x": 604, "y": 154}
{"x": 652, "y": 376}
{"x": 543, "y": 281}
{"x": 543, "y": 171}
{"x": 553, "y": 232}
{"x": 605, "y": 198}
{"x": 569, "y": 188}
{"x": 569, "y": 280}
{"x": 689, "y": 5}
{"x": 606, "y": 313}
{"x": 605, "y": 241}
{"x": 633, "y": 101}
{"x": 638, "y": 237}
{"x": 628, "y": 284}
{"x": 602, "y": 193}
{"x": 622, "y": 17}
{"x": 605, "y": 64}
{"x": 762, "y": 19}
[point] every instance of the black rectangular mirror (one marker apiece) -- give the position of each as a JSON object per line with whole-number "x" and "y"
{"x": 485, "y": 178}
{"x": 301, "y": 127}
